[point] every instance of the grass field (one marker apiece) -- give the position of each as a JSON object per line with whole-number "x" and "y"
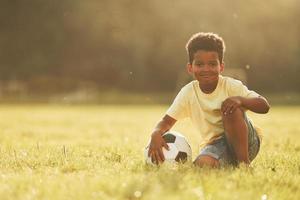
{"x": 96, "y": 152}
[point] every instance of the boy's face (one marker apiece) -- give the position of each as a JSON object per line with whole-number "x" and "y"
{"x": 206, "y": 67}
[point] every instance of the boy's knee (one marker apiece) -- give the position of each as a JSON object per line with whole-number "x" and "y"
{"x": 206, "y": 161}
{"x": 238, "y": 113}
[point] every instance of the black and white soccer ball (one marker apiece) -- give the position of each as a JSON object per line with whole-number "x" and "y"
{"x": 179, "y": 149}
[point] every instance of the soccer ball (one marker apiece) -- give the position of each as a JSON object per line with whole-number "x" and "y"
{"x": 179, "y": 148}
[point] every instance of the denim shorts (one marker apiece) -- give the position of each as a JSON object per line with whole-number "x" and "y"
{"x": 223, "y": 152}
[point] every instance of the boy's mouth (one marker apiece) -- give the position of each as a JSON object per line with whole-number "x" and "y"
{"x": 207, "y": 75}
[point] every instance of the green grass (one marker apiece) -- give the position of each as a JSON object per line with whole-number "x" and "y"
{"x": 96, "y": 152}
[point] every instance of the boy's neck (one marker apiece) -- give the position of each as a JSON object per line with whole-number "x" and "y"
{"x": 208, "y": 88}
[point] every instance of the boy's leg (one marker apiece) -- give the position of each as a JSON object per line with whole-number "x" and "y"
{"x": 206, "y": 161}
{"x": 210, "y": 154}
{"x": 236, "y": 132}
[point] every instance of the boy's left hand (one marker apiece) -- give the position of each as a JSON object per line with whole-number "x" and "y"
{"x": 231, "y": 104}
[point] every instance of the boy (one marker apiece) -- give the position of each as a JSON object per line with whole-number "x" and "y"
{"x": 216, "y": 105}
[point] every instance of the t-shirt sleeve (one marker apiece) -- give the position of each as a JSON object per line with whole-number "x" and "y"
{"x": 237, "y": 88}
{"x": 179, "y": 107}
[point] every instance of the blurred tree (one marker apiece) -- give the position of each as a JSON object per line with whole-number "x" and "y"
{"x": 31, "y": 38}
{"x": 139, "y": 45}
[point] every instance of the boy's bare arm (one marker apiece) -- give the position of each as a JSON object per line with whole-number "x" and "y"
{"x": 157, "y": 142}
{"x": 256, "y": 104}
{"x": 164, "y": 125}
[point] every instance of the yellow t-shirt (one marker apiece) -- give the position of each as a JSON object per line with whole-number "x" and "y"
{"x": 203, "y": 109}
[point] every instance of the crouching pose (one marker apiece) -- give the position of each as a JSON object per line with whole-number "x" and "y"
{"x": 217, "y": 107}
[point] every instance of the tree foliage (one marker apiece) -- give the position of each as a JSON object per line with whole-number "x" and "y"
{"x": 139, "y": 45}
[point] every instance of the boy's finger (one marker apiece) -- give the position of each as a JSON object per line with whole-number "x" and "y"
{"x": 224, "y": 107}
{"x": 153, "y": 159}
{"x": 225, "y": 110}
{"x": 166, "y": 146}
{"x": 228, "y": 109}
{"x": 158, "y": 158}
{"x": 234, "y": 107}
{"x": 161, "y": 155}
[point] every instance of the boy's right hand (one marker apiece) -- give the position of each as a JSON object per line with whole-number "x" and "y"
{"x": 155, "y": 148}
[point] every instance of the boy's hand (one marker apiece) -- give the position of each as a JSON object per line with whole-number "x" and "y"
{"x": 155, "y": 148}
{"x": 231, "y": 104}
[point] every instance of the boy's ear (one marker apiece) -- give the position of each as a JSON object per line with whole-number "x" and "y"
{"x": 222, "y": 66}
{"x": 189, "y": 68}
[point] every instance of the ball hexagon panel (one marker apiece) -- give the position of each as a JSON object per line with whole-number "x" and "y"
{"x": 169, "y": 138}
{"x": 181, "y": 157}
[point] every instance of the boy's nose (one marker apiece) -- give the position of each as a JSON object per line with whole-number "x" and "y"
{"x": 206, "y": 67}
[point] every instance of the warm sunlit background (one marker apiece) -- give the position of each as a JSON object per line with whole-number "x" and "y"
{"x": 83, "y": 83}
{"x": 75, "y": 49}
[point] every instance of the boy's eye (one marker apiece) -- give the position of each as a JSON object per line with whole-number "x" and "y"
{"x": 199, "y": 64}
{"x": 212, "y": 64}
